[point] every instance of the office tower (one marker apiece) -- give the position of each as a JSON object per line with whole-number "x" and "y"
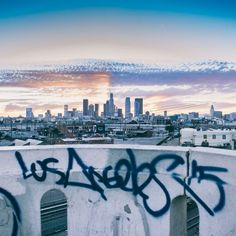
{"x": 218, "y": 114}
{"x": 127, "y": 107}
{"x": 29, "y": 113}
{"x": 96, "y": 110}
{"x": 74, "y": 112}
{"x": 165, "y": 113}
{"x": 119, "y": 113}
{"x": 91, "y": 110}
{"x": 104, "y": 110}
{"x": 85, "y": 107}
{"x": 111, "y": 105}
{"x": 138, "y": 107}
{"x": 66, "y": 107}
{"x": 107, "y": 108}
{"x": 212, "y": 111}
{"x": 48, "y": 114}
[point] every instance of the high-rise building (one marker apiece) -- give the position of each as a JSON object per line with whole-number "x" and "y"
{"x": 111, "y": 105}
{"x": 96, "y": 110}
{"x": 212, "y": 111}
{"x": 119, "y": 113}
{"x": 91, "y": 110}
{"x": 85, "y": 107}
{"x": 107, "y": 108}
{"x": 127, "y": 107}
{"x": 218, "y": 114}
{"x": 138, "y": 107}
{"x": 29, "y": 113}
{"x": 104, "y": 110}
{"x": 66, "y": 108}
{"x": 215, "y": 114}
{"x": 165, "y": 113}
{"x": 48, "y": 114}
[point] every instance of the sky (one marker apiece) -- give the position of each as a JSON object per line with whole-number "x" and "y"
{"x": 150, "y": 31}
{"x": 155, "y": 31}
{"x": 176, "y": 93}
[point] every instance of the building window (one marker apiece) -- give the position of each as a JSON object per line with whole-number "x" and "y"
{"x": 184, "y": 217}
{"x": 224, "y": 136}
{"x": 213, "y": 136}
{"x": 205, "y": 136}
{"x": 192, "y": 218}
{"x": 53, "y": 208}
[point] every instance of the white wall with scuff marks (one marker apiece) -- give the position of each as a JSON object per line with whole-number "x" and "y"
{"x": 126, "y": 190}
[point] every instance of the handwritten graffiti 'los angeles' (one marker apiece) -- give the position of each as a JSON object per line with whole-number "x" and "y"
{"x": 99, "y": 181}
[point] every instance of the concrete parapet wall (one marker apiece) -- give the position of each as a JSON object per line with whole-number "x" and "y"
{"x": 118, "y": 189}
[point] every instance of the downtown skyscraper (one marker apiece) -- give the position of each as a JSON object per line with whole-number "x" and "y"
{"x": 138, "y": 107}
{"x": 127, "y": 107}
{"x": 111, "y": 105}
{"x": 85, "y": 107}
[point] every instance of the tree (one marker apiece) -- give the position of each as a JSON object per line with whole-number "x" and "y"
{"x": 170, "y": 128}
{"x": 54, "y": 133}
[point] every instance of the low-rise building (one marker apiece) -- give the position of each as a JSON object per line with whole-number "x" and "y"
{"x": 211, "y": 137}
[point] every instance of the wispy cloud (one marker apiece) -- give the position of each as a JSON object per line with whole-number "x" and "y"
{"x": 175, "y": 92}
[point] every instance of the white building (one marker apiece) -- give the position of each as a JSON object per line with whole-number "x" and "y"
{"x": 214, "y": 138}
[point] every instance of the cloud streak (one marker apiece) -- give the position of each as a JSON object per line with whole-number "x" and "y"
{"x": 174, "y": 92}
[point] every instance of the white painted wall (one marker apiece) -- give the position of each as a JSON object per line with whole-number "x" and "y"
{"x": 123, "y": 213}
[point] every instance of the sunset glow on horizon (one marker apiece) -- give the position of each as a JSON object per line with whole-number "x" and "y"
{"x": 155, "y": 31}
{"x": 54, "y": 90}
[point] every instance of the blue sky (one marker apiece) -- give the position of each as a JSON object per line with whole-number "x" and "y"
{"x": 164, "y": 32}
{"x": 159, "y": 31}
{"x": 212, "y": 8}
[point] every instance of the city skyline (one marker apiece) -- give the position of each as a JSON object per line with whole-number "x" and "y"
{"x": 132, "y": 107}
{"x": 117, "y": 117}
{"x": 165, "y": 33}
{"x": 175, "y": 91}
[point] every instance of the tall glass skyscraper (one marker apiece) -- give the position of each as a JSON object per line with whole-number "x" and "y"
{"x": 29, "y": 113}
{"x": 96, "y": 110}
{"x": 111, "y": 105}
{"x": 66, "y": 108}
{"x": 85, "y": 107}
{"x": 127, "y": 107}
{"x": 138, "y": 106}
